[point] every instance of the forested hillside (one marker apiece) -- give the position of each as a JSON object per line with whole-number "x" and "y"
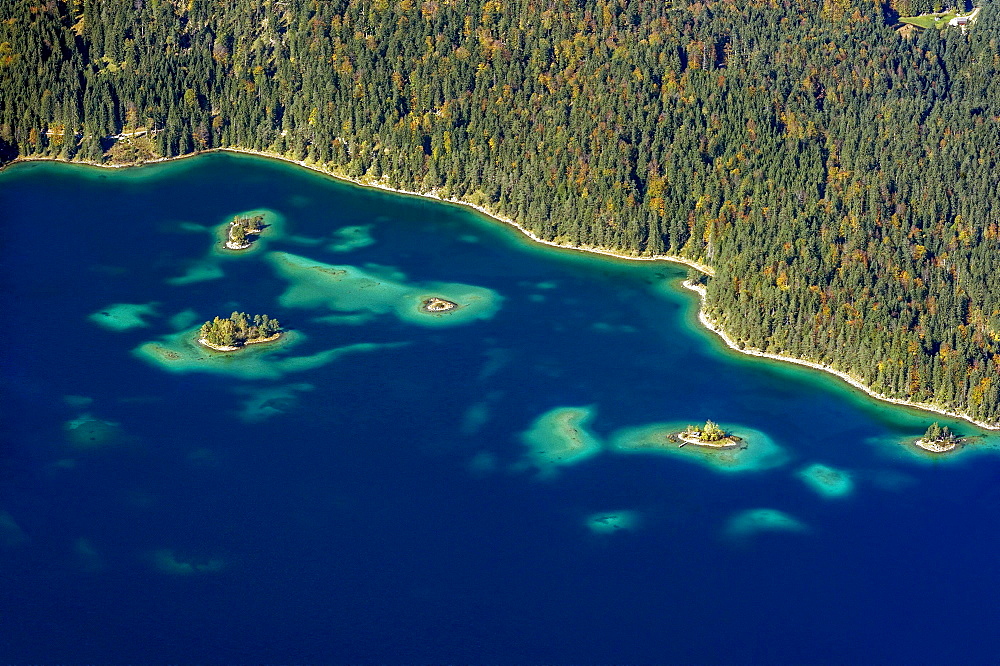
{"x": 839, "y": 175}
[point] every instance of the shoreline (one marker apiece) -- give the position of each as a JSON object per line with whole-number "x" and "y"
{"x": 936, "y": 447}
{"x": 380, "y": 185}
{"x": 854, "y": 382}
{"x": 436, "y": 305}
{"x": 691, "y": 263}
{"x": 231, "y": 348}
{"x": 233, "y": 245}
{"x": 377, "y": 184}
{"x": 695, "y": 441}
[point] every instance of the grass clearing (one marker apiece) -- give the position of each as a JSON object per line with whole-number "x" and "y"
{"x": 939, "y": 20}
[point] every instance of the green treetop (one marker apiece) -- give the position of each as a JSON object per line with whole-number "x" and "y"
{"x": 712, "y": 432}
{"x": 936, "y": 433}
{"x": 241, "y": 228}
{"x": 238, "y": 234}
{"x": 237, "y": 330}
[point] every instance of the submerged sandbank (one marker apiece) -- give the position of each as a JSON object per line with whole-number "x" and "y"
{"x": 124, "y": 316}
{"x": 199, "y": 270}
{"x": 263, "y": 403}
{"x": 78, "y": 401}
{"x": 180, "y": 352}
{"x": 11, "y": 534}
{"x": 169, "y": 562}
{"x": 560, "y": 437}
{"x": 755, "y": 452}
{"x": 87, "y": 432}
{"x": 827, "y": 481}
{"x": 183, "y": 319}
{"x": 378, "y": 290}
{"x": 610, "y": 522}
{"x": 348, "y": 239}
{"x": 754, "y": 521}
{"x": 86, "y": 556}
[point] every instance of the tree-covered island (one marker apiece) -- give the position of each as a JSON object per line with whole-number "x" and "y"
{"x": 711, "y": 434}
{"x": 939, "y": 439}
{"x": 238, "y": 331}
{"x": 243, "y": 231}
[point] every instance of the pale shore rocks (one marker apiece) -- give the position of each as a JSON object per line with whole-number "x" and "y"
{"x": 232, "y": 348}
{"x": 704, "y": 268}
{"x": 724, "y": 443}
{"x": 937, "y": 446}
{"x": 712, "y": 326}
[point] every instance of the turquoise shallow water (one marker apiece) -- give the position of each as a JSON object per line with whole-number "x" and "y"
{"x": 388, "y": 486}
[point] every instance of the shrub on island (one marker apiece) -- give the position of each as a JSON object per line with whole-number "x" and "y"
{"x": 936, "y": 433}
{"x": 939, "y": 439}
{"x": 238, "y": 330}
{"x": 710, "y": 433}
{"x": 242, "y": 230}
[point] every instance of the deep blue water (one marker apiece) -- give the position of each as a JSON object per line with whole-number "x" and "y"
{"x": 367, "y": 517}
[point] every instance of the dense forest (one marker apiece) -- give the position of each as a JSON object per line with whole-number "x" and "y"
{"x": 837, "y": 171}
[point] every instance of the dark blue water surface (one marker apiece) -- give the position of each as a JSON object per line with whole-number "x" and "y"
{"x": 367, "y": 515}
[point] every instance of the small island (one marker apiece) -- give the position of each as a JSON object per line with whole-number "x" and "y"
{"x": 243, "y": 230}
{"x": 938, "y": 439}
{"x": 435, "y": 305}
{"x": 238, "y": 331}
{"x": 710, "y": 435}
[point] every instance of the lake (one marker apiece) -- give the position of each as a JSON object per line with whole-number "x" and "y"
{"x": 490, "y": 484}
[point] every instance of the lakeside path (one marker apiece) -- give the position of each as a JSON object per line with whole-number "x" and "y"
{"x": 704, "y": 268}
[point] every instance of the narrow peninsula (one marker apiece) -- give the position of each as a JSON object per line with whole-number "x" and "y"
{"x": 238, "y": 331}
{"x": 243, "y": 231}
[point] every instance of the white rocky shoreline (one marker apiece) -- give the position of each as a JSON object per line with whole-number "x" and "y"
{"x": 231, "y": 348}
{"x": 936, "y": 446}
{"x": 703, "y": 268}
{"x": 724, "y": 443}
{"x": 231, "y": 244}
{"x": 856, "y": 383}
